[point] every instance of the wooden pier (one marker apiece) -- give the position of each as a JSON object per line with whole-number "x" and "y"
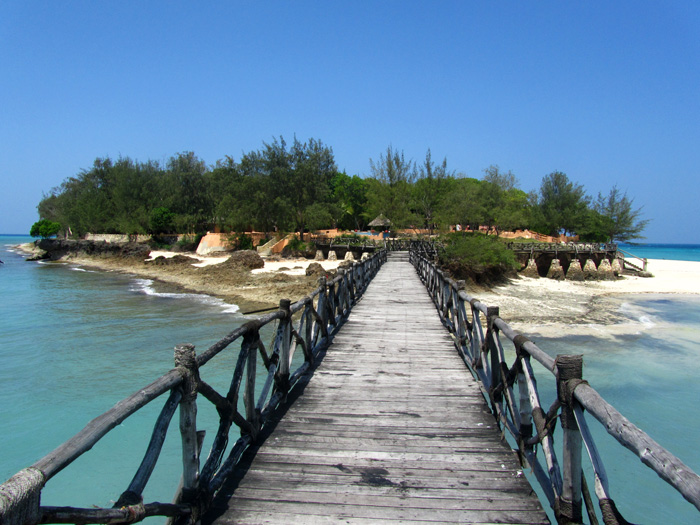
{"x": 378, "y": 418}
{"x": 391, "y": 427}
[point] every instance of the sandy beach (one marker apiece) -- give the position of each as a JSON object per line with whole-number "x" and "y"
{"x": 544, "y": 306}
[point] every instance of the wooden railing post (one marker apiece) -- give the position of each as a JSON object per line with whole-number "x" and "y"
{"x": 185, "y": 360}
{"x": 250, "y": 343}
{"x": 285, "y": 330}
{"x": 492, "y": 313}
{"x": 570, "y": 372}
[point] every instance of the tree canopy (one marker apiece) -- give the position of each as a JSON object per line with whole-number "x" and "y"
{"x": 298, "y": 187}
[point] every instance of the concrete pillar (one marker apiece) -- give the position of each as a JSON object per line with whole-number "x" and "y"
{"x": 530, "y": 270}
{"x": 574, "y": 273}
{"x": 319, "y": 255}
{"x": 590, "y": 272}
{"x": 556, "y": 272}
{"x": 332, "y": 256}
{"x": 605, "y": 271}
{"x": 617, "y": 267}
{"x": 349, "y": 256}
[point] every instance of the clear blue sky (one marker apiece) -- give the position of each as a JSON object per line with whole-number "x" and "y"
{"x": 607, "y": 92}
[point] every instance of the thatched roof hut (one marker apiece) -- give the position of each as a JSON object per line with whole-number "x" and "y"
{"x": 380, "y": 222}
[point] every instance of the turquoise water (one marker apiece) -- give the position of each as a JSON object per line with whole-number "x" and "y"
{"x": 650, "y": 376}
{"x": 74, "y": 342}
{"x": 676, "y": 252}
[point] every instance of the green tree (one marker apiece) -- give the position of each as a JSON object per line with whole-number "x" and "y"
{"x": 563, "y": 205}
{"x": 161, "y": 220}
{"x": 429, "y": 190}
{"x": 44, "y": 228}
{"x": 463, "y": 203}
{"x": 186, "y": 192}
{"x": 312, "y": 168}
{"x": 623, "y": 222}
{"x": 350, "y": 197}
{"x": 392, "y": 195}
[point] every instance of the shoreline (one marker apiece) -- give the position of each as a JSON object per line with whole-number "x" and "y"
{"x": 551, "y": 308}
{"x": 536, "y": 306}
{"x": 249, "y": 290}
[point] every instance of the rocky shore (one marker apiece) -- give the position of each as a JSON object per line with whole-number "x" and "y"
{"x": 234, "y": 278}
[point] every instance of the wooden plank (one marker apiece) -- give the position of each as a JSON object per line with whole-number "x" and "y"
{"x": 391, "y": 428}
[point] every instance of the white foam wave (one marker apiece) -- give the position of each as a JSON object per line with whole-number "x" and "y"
{"x": 145, "y": 286}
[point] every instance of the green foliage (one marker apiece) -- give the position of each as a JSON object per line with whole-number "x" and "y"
{"x": 349, "y": 195}
{"x": 297, "y": 245}
{"x": 189, "y": 243}
{"x": 298, "y": 187}
{"x": 44, "y": 228}
{"x": 477, "y": 250}
{"x": 620, "y": 222}
{"x": 161, "y": 221}
{"x": 241, "y": 241}
{"x": 390, "y": 190}
{"x": 563, "y": 204}
{"x": 477, "y": 257}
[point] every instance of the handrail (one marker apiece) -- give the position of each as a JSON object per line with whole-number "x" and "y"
{"x": 309, "y": 324}
{"x": 512, "y": 394}
{"x": 634, "y": 266}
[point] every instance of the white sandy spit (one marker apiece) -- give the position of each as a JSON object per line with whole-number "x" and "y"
{"x": 545, "y": 306}
{"x": 293, "y": 266}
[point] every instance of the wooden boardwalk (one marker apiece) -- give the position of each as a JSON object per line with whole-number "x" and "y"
{"x": 391, "y": 427}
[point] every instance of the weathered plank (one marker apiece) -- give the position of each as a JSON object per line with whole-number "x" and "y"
{"x": 391, "y": 428}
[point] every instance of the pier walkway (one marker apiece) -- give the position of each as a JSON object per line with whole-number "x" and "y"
{"x": 391, "y": 427}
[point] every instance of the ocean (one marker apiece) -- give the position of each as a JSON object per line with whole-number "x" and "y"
{"x": 73, "y": 342}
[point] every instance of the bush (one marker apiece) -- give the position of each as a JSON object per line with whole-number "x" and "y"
{"x": 296, "y": 245}
{"x": 44, "y": 229}
{"x": 297, "y": 248}
{"x": 240, "y": 241}
{"x": 189, "y": 243}
{"x": 477, "y": 257}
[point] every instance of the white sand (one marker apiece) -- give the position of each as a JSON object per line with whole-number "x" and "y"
{"x": 669, "y": 277}
{"x": 296, "y": 266}
{"x": 203, "y": 261}
{"x": 547, "y": 307}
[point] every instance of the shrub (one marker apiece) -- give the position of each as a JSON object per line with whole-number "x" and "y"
{"x": 240, "y": 241}
{"x": 477, "y": 257}
{"x": 44, "y": 229}
{"x": 189, "y": 243}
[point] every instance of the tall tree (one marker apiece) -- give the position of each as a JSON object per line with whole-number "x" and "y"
{"x": 392, "y": 196}
{"x": 429, "y": 189}
{"x": 623, "y": 222}
{"x": 187, "y": 192}
{"x": 562, "y": 204}
{"x": 350, "y": 198}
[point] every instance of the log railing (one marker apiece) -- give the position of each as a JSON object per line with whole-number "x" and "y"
{"x": 305, "y": 326}
{"x": 511, "y": 391}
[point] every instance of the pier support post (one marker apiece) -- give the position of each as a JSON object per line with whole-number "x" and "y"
{"x": 285, "y": 332}
{"x": 569, "y": 373}
{"x": 186, "y": 362}
{"x": 492, "y": 313}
